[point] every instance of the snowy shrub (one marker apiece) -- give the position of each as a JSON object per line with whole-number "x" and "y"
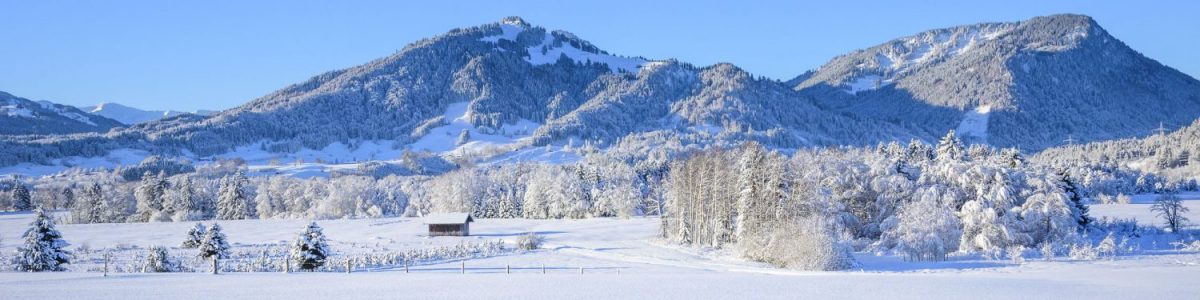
{"x": 530, "y": 241}
{"x": 1193, "y": 246}
{"x": 1016, "y": 254}
{"x": 1047, "y": 251}
{"x": 1124, "y": 199}
{"x": 1083, "y": 251}
{"x": 158, "y": 259}
{"x": 1105, "y": 199}
{"x": 1108, "y": 247}
{"x": 804, "y": 244}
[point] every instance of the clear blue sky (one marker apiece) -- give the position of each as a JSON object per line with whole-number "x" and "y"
{"x": 218, "y": 54}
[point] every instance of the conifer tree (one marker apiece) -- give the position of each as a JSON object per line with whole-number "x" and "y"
{"x": 68, "y": 197}
{"x": 159, "y": 259}
{"x": 214, "y": 244}
{"x": 21, "y": 199}
{"x": 950, "y": 148}
{"x": 310, "y": 249}
{"x": 1078, "y": 208}
{"x": 195, "y": 236}
{"x": 44, "y": 248}
{"x": 232, "y": 203}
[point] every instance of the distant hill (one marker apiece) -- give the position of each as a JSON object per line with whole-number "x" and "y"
{"x": 129, "y": 115}
{"x": 20, "y": 116}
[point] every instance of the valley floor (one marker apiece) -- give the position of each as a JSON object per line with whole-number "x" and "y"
{"x": 620, "y": 258}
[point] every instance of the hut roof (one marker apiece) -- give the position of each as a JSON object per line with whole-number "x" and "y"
{"x": 448, "y": 218}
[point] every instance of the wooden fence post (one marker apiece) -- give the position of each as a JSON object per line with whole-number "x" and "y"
{"x": 105, "y": 264}
{"x": 405, "y": 266}
{"x": 507, "y": 269}
{"x": 543, "y": 268}
{"x": 214, "y": 266}
{"x": 464, "y": 266}
{"x": 348, "y": 267}
{"x": 287, "y": 265}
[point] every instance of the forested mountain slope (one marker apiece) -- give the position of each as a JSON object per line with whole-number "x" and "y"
{"x": 503, "y": 73}
{"x": 20, "y": 116}
{"x": 1030, "y": 84}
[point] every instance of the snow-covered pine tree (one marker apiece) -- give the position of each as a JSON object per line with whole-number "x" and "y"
{"x": 149, "y": 197}
{"x": 158, "y": 259}
{"x": 950, "y": 148}
{"x": 751, "y": 183}
{"x": 310, "y": 249}
{"x": 214, "y": 243}
{"x": 21, "y": 201}
{"x": 68, "y": 197}
{"x": 232, "y": 201}
{"x": 92, "y": 207}
{"x": 44, "y": 248}
{"x": 1078, "y": 208}
{"x": 195, "y": 236}
{"x": 988, "y": 225}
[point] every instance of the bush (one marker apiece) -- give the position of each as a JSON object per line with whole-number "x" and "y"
{"x": 1017, "y": 254}
{"x": 804, "y": 244}
{"x": 1083, "y": 251}
{"x": 530, "y": 241}
{"x": 1124, "y": 199}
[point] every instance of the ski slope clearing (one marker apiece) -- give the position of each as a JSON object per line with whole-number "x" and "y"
{"x": 620, "y": 258}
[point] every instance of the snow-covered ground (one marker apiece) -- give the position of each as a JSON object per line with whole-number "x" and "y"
{"x": 621, "y": 258}
{"x": 1139, "y": 209}
{"x": 974, "y": 125}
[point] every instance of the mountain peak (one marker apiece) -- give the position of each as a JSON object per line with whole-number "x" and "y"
{"x": 515, "y": 21}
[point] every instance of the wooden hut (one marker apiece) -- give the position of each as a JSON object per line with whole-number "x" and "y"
{"x": 449, "y": 224}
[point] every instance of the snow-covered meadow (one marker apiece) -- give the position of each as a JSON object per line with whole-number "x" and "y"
{"x": 619, "y": 258}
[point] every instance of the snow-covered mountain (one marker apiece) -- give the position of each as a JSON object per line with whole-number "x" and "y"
{"x": 129, "y": 115}
{"x": 1030, "y": 84}
{"x": 509, "y": 89}
{"x": 19, "y": 116}
{"x": 509, "y": 86}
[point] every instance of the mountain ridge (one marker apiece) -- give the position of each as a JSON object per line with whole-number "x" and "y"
{"x": 521, "y": 86}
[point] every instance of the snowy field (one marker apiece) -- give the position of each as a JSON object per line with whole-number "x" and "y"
{"x": 620, "y": 258}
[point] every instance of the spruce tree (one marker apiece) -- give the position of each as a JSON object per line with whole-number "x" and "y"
{"x": 44, "y": 248}
{"x": 1078, "y": 208}
{"x": 68, "y": 197}
{"x": 232, "y": 201}
{"x": 149, "y": 198}
{"x": 158, "y": 259}
{"x": 950, "y": 148}
{"x": 195, "y": 236}
{"x": 310, "y": 249}
{"x": 21, "y": 199}
{"x": 214, "y": 243}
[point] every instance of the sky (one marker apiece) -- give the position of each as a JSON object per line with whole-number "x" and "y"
{"x": 217, "y": 54}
